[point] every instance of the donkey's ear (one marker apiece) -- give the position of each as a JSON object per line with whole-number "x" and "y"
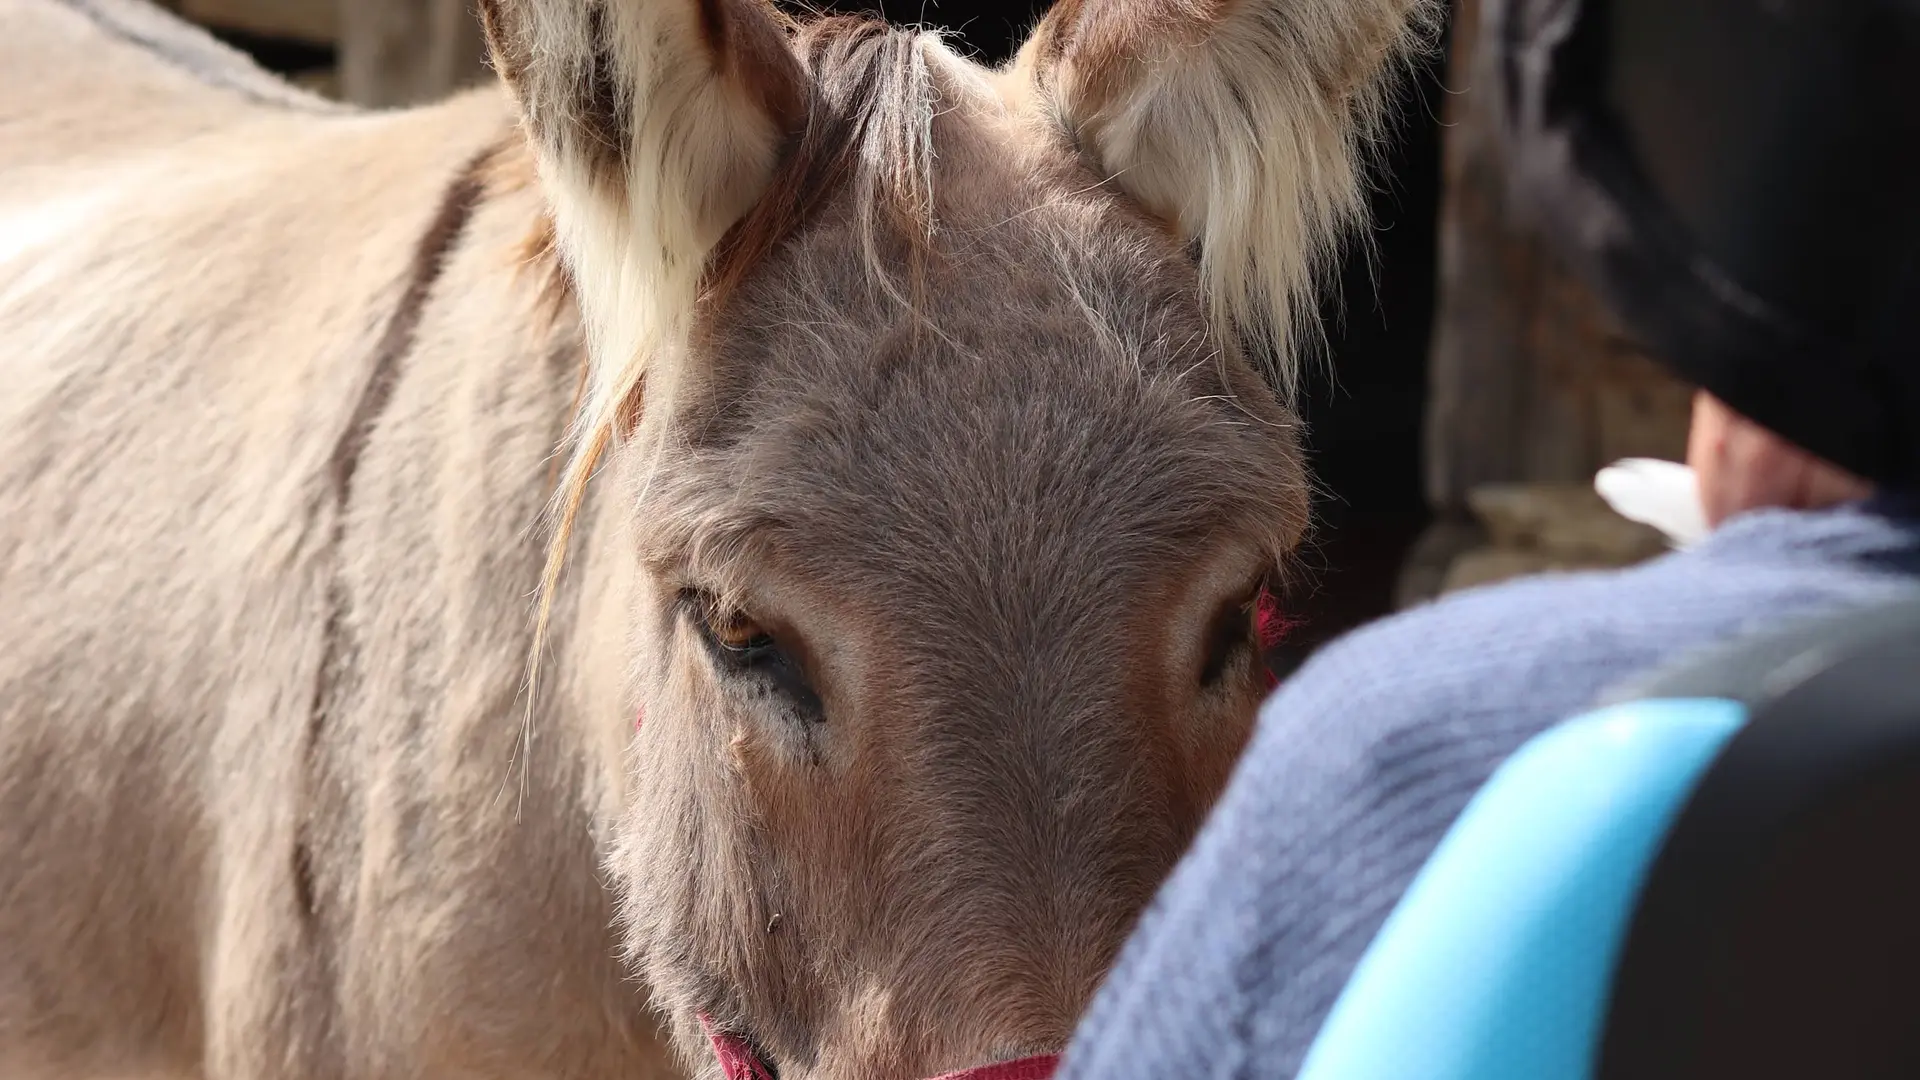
{"x": 658, "y": 124}
{"x": 1240, "y": 122}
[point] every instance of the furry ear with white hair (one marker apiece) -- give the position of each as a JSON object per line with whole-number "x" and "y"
{"x": 658, "y": 125}
{"x": 1242, "y": 123}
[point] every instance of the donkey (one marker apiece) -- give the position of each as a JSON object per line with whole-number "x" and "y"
{"x": 917, "y": 474}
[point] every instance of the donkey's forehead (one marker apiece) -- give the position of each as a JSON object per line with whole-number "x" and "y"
{"x": 1032, "y": 410}
{"x": 920, "y": 168}
{"x": 947, "y": 223}
{"x": 1011, "y": 357}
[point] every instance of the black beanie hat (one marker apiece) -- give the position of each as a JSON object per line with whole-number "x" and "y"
{"x": 1738, "y": 180}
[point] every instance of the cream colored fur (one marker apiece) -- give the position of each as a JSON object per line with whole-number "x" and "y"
{"x": 281, "y": 385}
{"x": 1246, "y": 124}
{"x": 194, "y": 288}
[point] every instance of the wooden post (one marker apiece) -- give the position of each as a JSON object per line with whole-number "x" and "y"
{"x": 1532, "y": 379}
{"x": 403, "y": 52}
{"x": 1532, "y": 382}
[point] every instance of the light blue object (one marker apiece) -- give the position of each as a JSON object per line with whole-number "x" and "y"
{"x": 1497, "y": 963}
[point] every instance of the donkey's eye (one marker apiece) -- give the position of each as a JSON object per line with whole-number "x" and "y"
{"x": 743, "y": 648}
{"x": 736, "y": 633}
{"x": 1230, "y": 636}
{"x": 736, "y": 639}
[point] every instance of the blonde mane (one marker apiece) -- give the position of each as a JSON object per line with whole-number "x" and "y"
{"x": 868, "y": 129}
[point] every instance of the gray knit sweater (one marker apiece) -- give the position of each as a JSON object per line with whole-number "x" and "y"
{"x": 1364, "y": 758}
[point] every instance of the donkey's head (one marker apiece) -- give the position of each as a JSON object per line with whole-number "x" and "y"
{"x": 953, "y": 483}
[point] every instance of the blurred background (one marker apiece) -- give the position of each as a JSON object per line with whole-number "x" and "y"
{"x": 1471, "y": 390}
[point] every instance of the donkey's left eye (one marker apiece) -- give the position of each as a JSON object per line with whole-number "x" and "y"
{"x": 1231, "y": 634}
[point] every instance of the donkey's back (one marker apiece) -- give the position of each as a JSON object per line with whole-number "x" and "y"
{"x": 246, "y": 338}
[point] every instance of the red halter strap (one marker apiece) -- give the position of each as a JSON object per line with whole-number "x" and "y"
{"x": 739, "y": 1062}
{"x": 1271, "y": 626}
{"x": 737, "y": 1059}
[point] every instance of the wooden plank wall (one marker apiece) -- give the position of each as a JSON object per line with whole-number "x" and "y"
{"x": 1532, "y": 379}
{"x": 399, "y": 52}
{"x": 1533, "y": 385}
{"x": 391, "y": 52}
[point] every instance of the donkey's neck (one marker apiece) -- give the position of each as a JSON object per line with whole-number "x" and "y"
{"x": 583, "y": 690}
{"x": 590, "y": 655}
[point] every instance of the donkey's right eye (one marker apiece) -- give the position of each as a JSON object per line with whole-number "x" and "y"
{"x": 741, "y": 646}
{"x": 733, "y": 635}
{"x": 736, "y": 633}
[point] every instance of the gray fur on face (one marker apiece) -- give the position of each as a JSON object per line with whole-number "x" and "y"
{"x": 883, "y": 362}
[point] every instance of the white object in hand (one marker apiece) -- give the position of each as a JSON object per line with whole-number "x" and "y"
{"x": 1663, "y": 494}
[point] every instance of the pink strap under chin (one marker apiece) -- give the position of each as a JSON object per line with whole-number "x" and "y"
{"x": 737, "y": 1059}
{"x": 739, "y": 1062}
{"x": 1270, "y": 627}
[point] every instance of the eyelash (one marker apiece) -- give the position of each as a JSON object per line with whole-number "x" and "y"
{"x": 755, "y": 656}
{"x": 1231, "y": 633}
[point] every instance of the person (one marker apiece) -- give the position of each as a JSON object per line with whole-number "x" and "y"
{"x": 1729, "y": 176}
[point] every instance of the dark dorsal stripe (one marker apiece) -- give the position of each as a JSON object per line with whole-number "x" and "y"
{"x": 339, "y": 666}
